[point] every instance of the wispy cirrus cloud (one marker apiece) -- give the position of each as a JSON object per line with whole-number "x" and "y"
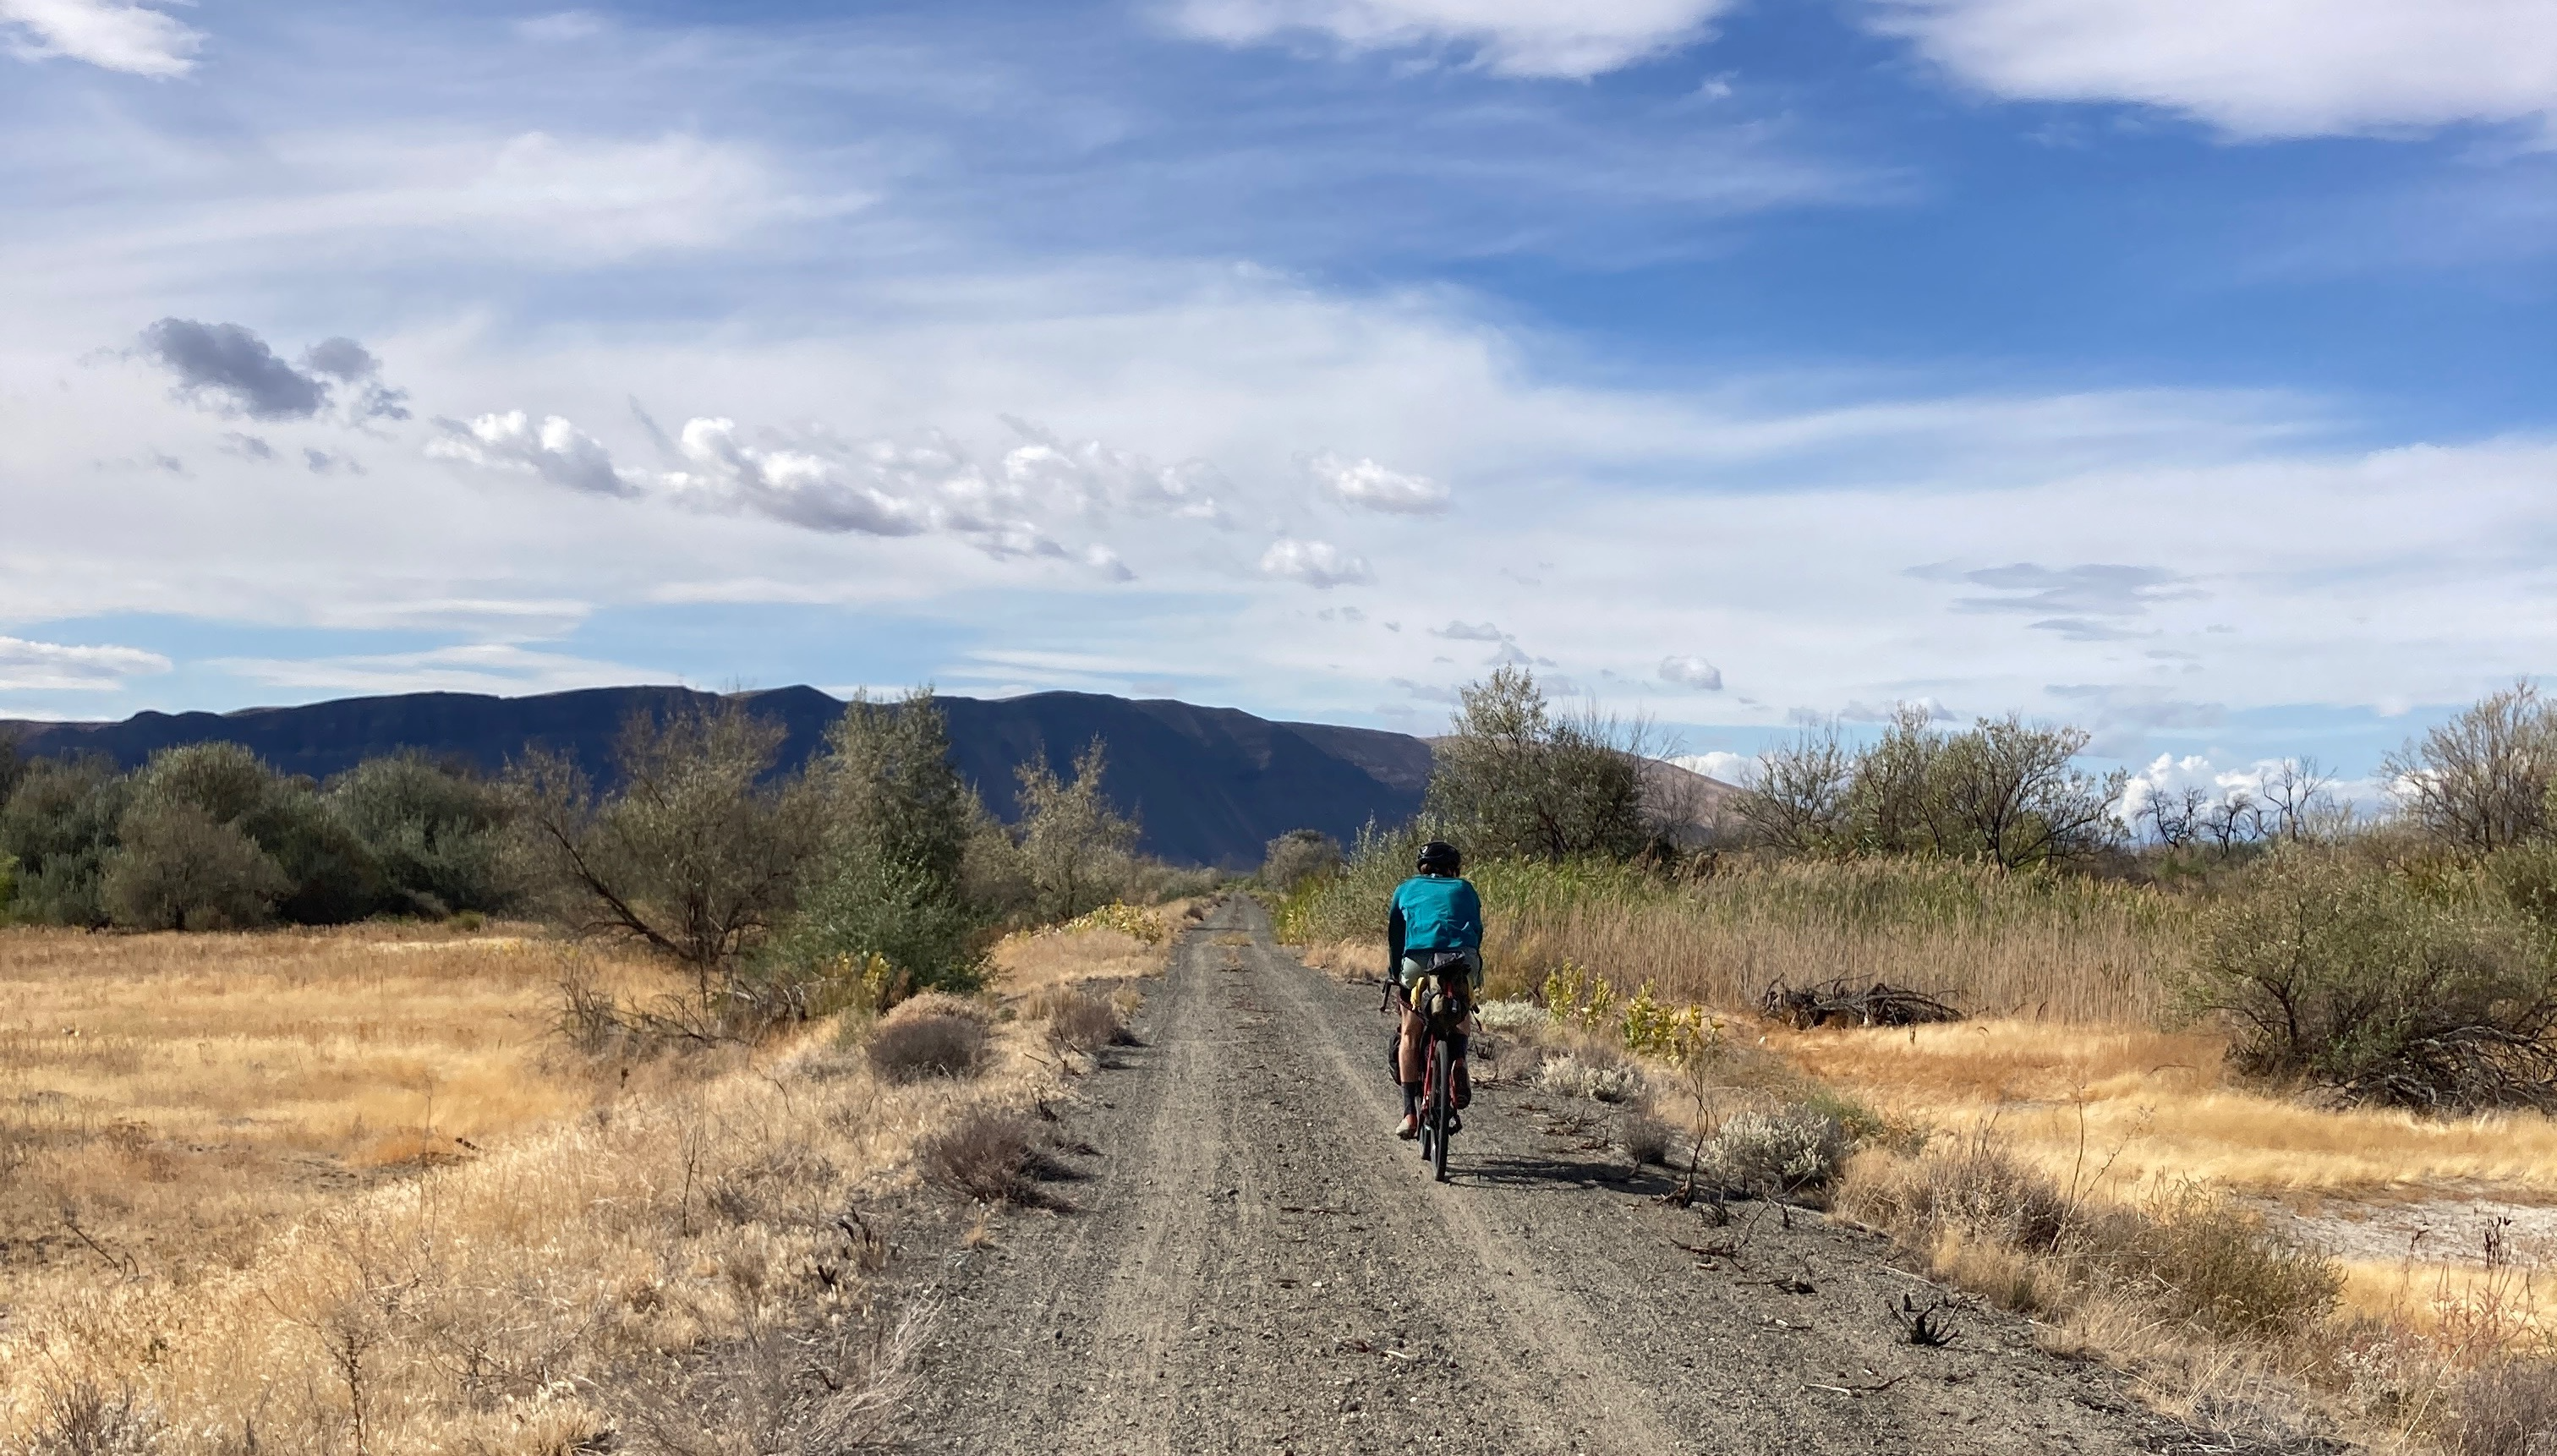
{"x": 2084, "y": 604}
{"x": 492, "y": 667}
{"x": 1571, "y": 38}
{"x": 27, "y": 666}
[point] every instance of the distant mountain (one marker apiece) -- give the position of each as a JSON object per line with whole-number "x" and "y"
{"x": 1207, "y": 785}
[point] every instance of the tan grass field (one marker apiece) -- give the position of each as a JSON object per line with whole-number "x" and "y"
{"x": 347, "y": 1194}
{"x": 2126, "y": 1115}
{"x": 165, "y": 1099}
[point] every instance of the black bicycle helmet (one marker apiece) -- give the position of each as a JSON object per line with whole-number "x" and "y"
{"x": 1440, "y": 857}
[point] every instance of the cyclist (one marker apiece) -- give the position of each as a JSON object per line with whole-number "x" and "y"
{"x": 1433, "y": 914}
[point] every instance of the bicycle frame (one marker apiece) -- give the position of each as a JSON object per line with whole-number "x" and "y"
{"x": 1444, "y": 999}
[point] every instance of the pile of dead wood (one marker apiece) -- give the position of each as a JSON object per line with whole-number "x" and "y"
{"x": 1843, "y": 1003}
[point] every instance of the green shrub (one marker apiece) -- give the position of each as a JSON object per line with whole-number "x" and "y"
{"x": 334, "y": 875}
{"x": 60, "y": 826}
{"x": 1298, "y": 856}
{"x": 2215, "y": 1265}
{"x": 890, "y": 878}
{"x": 438, "y": 838}
{"x": 329, "y": 877}
{"x": 177, "y": 867}
{"x": 2350, "y": 975}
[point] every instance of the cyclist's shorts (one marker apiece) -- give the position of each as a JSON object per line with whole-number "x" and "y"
{"x": 1416, "y": 967}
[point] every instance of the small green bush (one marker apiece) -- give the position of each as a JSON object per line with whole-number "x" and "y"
{"x": 1298, "y": 856}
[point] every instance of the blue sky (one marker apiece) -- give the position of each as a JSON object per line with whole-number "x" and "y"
{"x": 2181, "y": 369}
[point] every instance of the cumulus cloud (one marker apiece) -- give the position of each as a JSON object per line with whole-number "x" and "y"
{"x": 227, "y": 369}
{"x": 2255, "y": 69}
{"x": 352, "y": 364}
{"x": 1860, "y": 711}
{"x": 1106, "y": 561}
{"x": 556, "y": 451}
{"x": 1692, "y": 672}
{"x": 1470, "y": 632}
{"x": 114, "y": 35}
{"x": 2258, "y": 790}
{"x": 1317, "y": 564}
{"x": 1726, "y": 767}
{"x": 51, "y": 667}
{"x": 795, "y": 487}
{"x": 1575, "y": 39}
{"x": 1088, "y": 478}
{"x": 1367, "y": 485}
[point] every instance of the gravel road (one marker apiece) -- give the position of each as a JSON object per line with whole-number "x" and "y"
{"x": 1251, "y": 1262}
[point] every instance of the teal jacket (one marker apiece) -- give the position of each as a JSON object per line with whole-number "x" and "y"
{"x": 1433, "y": 912}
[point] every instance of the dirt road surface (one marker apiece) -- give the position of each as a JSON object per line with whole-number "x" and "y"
{"x": 1251, "y": 1262}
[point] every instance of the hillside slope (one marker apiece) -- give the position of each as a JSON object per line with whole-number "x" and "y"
{"x": 1207, "y": 785}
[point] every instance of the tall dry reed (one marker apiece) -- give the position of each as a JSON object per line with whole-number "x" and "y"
{"x": 2048, "y": 948}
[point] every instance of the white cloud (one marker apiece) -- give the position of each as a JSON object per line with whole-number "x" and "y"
{"x": 1317, "y": 564}
{"x": 2254, "y": 68}
{"x": 489, "y": 667}
{"x": 793, "y": 486}
{"x": 1575, "y": 39}
{"x": 1730, "y": 768}
{"x": 1462, "y": 631}
{"x": 369, "y": 201}
{"x": 51, "y": 667}
{"x": 556, "y": 451}
{"x": 1106, "y": 561}
{"x": 110, "y": 34}
{"x": 1692, "y": 672}
{"x": 1369, "y": 487}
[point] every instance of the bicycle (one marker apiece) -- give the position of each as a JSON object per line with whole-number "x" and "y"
{"x": 1443, "y": 994}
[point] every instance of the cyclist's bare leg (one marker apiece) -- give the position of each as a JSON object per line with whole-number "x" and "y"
{"x": 1408, "y": 1061}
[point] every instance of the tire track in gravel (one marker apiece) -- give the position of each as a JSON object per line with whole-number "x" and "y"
{"x": 1252, "y": 1262}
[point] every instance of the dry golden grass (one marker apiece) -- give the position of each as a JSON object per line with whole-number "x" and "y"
{"x": 2140, "y": 1107}
{"x": 602, "y": 1250}
{"x": 1345, "y": 960}
{"x": 2121, "y": 1115}
{"x": 171, "y": 1097}
{"x": 1034, "y": 971}
{"x": 2098, "y": 972}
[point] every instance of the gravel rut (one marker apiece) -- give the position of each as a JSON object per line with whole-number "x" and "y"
{"x": 1250, "y": 1262}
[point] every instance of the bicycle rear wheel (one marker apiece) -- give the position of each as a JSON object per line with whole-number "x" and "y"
{"x": 1442, "y": 1103}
